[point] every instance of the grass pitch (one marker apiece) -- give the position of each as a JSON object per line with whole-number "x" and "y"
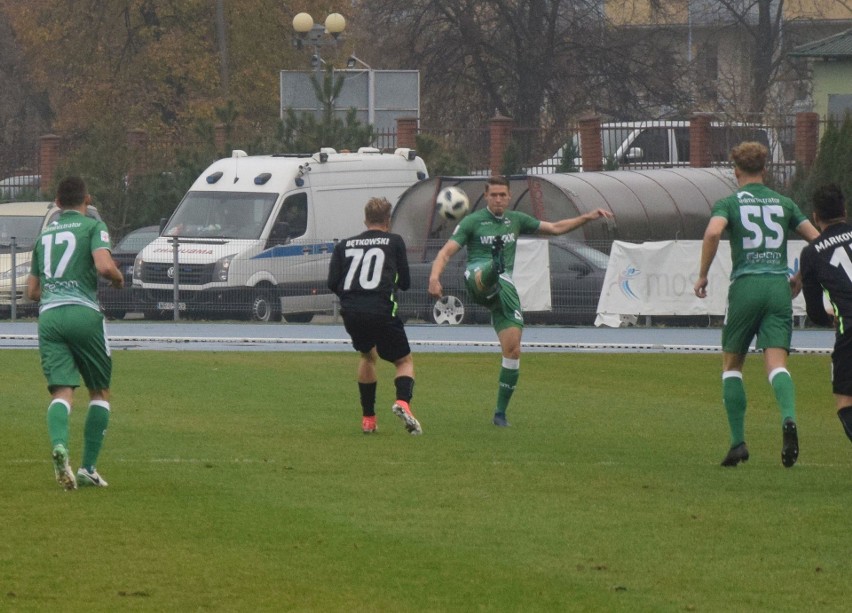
{"x": 242, "y": 482}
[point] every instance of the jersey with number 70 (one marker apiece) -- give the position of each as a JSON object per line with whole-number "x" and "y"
{"x": 63, "y": 261}
{"x": 366, "y": 270}
{"x": 759, "y": 220}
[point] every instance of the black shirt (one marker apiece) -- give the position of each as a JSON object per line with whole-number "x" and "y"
{"x": 366, "y": 270}
{"x": 827, "y": 265}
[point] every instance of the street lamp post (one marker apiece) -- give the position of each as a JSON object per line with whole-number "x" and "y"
{"x": 313, "y": 34}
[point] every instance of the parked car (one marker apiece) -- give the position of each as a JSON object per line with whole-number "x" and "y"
{"x": 24, "y": 221}
{"x": 116, "y": 303}
{"x": 653, "y": 144}
{"x": 576, "y": 277}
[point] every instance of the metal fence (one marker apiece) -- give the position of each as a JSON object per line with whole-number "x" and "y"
{"x": 657, "y": 144}
{"x": 175, "y": 285}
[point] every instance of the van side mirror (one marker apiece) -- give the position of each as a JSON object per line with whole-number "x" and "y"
{"x": 163, "y": 222}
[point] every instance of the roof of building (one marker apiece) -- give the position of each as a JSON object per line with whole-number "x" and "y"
{"x": 836, "y": 46}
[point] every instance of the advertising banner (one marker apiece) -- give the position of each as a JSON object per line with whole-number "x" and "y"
{"x": 657, "y": 278}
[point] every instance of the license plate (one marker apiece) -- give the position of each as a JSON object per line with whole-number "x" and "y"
{"x": 170, "y": 306}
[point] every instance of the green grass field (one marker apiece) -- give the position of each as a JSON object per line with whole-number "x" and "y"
{"x": 242, "y": 482}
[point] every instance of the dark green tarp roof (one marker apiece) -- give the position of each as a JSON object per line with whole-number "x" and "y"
{"x": 837, "y": 46}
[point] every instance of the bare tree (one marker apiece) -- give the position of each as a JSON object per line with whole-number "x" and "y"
{"x": 757, "y": 36}
{"x": 540, "y": 62}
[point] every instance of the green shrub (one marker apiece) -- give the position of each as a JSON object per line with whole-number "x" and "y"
{"x": 832, "y": 165}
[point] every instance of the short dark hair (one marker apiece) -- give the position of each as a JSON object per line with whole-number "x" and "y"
{"x": 71, "y": 192}
{"x": 750, "y": 157}
{"x": 829, "y": 202}
{"x": 497, "y": 180}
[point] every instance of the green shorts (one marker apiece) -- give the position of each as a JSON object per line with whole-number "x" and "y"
{"x": 500, "y": 296}
{"x": 762, "y": 306}
{"x": 72, "y": 342}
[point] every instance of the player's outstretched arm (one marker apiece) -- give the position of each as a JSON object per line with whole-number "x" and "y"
{"x": 563, "y": 226}
{"x": 447, "y": 251}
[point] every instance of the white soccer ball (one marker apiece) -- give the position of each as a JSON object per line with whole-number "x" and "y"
{"x": 453, "y": 203}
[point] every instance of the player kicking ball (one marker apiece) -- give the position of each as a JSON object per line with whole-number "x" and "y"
{"x": 490, "y": 235}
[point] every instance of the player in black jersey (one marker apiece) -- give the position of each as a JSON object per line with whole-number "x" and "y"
{"x": 365, "y": 272}
{"x": 827, "y": 284}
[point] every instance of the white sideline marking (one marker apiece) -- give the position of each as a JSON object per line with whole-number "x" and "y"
{"x": 602, "y": 347}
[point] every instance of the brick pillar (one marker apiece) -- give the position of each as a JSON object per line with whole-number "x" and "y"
{"x": 699, "y": 140}
{"x": 48, "y": 159}
{"x": 500, "y": 135}
{"x": 591, "y": 145}
{"x": 220, "y": 138}
{"x": 137, "y": 143}
{"x": 807, "y": 139}
{"x": 406, "y": 132}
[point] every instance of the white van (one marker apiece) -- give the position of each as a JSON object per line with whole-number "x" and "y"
{"x": 253, "y": 235}
{"x": 23, "y": 222}
{"x": 656, "y": 144}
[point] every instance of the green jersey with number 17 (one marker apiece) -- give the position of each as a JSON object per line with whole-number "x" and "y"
{"x": 478, "y": 230}
{"x": 758, "y": 222}
{"x": 63, "y": 260}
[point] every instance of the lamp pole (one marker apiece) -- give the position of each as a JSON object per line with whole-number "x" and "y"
{"x": 314, "y": 34}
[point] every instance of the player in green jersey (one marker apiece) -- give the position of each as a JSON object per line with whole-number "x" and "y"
{"x": 490, "y": 235}
{"x": 760, "y": 297}
{"x": 68, "y": 256}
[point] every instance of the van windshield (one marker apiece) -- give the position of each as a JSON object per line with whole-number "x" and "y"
{"x": 25, "y": 229}
{"x": 221, "y": 215}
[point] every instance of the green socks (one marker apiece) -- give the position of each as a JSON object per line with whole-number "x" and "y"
{"x": 734, "y": 396}
{"x": 57, "y": 423}
{"x": 94, "y": 431}
{"x": 509, "y": 374}
{"x": 785, "y": 393}
{"x": 733, "y": 393}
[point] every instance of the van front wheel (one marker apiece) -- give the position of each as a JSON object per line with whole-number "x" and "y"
{"x": 264, "y": 305}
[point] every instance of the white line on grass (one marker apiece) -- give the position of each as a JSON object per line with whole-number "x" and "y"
{"x": 593, "y": 347}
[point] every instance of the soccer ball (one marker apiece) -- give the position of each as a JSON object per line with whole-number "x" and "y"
{"x": 453, "y": 203}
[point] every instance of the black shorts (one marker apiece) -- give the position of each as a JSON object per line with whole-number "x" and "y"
{"x": 841, "y": 365}
{"x": 385, "y": 333}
